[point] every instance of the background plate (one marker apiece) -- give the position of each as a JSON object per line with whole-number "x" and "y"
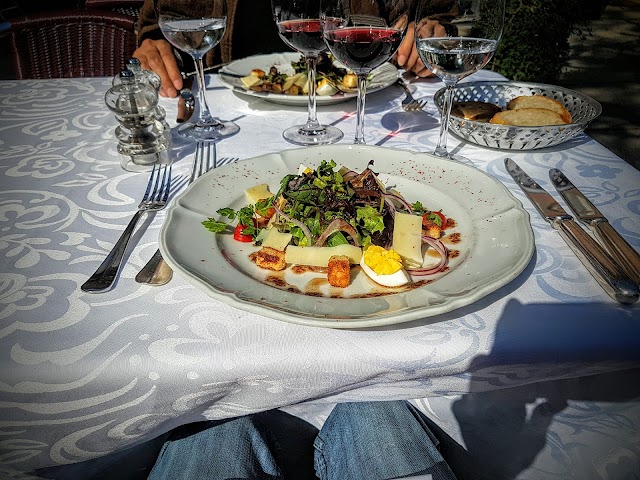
{"x": 497, "y": 240}
{"x": 381, "y": 77}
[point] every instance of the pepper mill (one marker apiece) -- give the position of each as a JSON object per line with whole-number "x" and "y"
{"x": 142, "y": 140}
{"x": 151, "y": 78}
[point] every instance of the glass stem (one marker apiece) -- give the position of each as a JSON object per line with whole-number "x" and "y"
{"x": 312, "y": 120}
{"x": 205, "y": 114}
{"x": 362, "y": 91}
{"x": 441, "y": 148}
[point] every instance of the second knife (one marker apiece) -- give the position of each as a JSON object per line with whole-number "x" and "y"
{"x": 620, "y": 250}
{"x": 603, "y": 268}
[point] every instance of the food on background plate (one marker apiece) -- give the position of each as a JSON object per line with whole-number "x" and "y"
{"x": 331, "y": 79}
{"x": 329, "y": 219}
{"x": 521, "y": 111}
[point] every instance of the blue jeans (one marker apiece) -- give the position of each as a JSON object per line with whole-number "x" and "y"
{"x": 368, "y": 440}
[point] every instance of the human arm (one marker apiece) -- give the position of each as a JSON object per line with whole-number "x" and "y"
{"x": 155, "y": 53}
{"x": 407, "y": 55}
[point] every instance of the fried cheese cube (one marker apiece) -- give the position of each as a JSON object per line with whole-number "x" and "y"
{"x": 271, "y": 259}
{"x": 339, "y": 272}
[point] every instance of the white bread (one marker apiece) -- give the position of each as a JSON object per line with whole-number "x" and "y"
{"x": 540, "y": 101}
{"x": 528, "y": 117}
{"x": 476, "y": 111}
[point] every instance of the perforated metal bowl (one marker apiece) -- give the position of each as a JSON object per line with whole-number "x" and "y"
{"x": 583, "y": 110}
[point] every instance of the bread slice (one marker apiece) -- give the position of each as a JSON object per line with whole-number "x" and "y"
{"x": 476, "y": 111}
{"x": 540, "y": 101}
{"x": 528, "y": 117}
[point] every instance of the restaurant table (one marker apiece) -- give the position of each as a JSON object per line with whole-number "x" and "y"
{"x": 83, "y": 375}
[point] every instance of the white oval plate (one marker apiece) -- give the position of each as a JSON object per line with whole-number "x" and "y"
{"x": 381, "y": 77}
{"x": 496, "y": 238}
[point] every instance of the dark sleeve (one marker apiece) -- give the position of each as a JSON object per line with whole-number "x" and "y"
{"x": 148, "y": 23}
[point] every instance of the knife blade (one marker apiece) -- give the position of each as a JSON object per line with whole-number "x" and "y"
{"x": 623, "y": 253}
{"x": 186, "y": 101}
{"x": 603, "y": 268}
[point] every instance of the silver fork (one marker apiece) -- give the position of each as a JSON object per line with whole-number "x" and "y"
{"x": 154, "y": 199}
{"x": 156, "y": 271}
{"x": 410, "y": 104}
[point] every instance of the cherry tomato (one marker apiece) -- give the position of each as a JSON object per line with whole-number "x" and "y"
{"x": 442, "y": 218}
{"x": 239, "y": 236}
{"x": 427, "y": 220}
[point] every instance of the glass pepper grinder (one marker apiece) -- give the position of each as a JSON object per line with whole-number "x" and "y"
{"x": 149, "y": 77}
{"x": 142, "y": 142}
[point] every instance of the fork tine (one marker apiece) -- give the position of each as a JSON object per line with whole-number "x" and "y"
{"x": 197, "y": 161}
{"x": 210, "y": 162}
{"x": 167, "y": 186}
{"x": 152, "y": 178}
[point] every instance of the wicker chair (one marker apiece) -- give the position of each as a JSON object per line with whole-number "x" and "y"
{"x": 71, "y": 43}
{"x": 126, "y": 7}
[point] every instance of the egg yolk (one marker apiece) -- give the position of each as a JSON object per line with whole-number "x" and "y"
{"x": 381, "y": 261}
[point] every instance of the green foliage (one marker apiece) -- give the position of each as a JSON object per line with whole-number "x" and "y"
{"x": 535, "y": 41}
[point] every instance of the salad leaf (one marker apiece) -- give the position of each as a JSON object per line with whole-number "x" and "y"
{"x": 371, "y": 219}
{"x": 214, "y": 226}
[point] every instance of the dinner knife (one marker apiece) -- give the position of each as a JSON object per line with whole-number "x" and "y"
{"x": 628, "y": 259}
{"x": 186, "y": 101}
{"x": 603, "y": 268}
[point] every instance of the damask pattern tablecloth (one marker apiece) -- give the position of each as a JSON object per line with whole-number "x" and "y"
{"x": 82, "y": 374}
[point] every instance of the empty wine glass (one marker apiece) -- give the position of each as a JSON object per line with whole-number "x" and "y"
{"x": 195, "y": 28}
{"x": 299, "y": 26}
{"x": 363, "y": 35}
{"x": 454, "y": 40}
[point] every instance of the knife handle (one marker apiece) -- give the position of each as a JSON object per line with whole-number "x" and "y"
{"x": 603, "y": 268}
{"x": 628, "y": 259}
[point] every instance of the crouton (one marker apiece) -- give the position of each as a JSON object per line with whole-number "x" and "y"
{"x": 339, "y": 272}
{"x": 431, "y": 229}
{"x": 271, "y": 259}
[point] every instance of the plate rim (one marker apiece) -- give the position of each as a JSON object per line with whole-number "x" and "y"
{"x": 299, "y": 100}
{"x": 377, "y": 320}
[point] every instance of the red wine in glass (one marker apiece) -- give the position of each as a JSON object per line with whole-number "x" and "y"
{"x": 303, "y": 35}
{"x": 362, "y": 49}
{"x": 299, "y": 26}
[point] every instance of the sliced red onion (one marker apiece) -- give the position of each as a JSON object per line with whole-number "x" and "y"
{"x": 390, "y": 197}
{"x": 337, "y": 225}
{"x": 297, "y": 223}
{"x": 439, "y": 247}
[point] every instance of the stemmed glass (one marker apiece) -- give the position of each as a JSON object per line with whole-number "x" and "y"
{"x": 472, "y": 31}
{"x": 196, "y": 29}
{"x": 363, "y": 35}
{"x": 299, "y": 26}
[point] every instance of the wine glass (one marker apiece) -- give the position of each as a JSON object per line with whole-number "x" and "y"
{"x": 299, "y": 26}
{"x": 363, "y": 35}
{"x": 454, "y": 40}
{"x": 196, "y": 30}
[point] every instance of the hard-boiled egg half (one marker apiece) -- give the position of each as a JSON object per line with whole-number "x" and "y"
{"x": 384, "y": 267}
{"x": 325, "y": 88}
{"x": 302, "y": 169}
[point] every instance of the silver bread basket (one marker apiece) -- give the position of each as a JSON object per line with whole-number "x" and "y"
{"x": 583, "y": 109}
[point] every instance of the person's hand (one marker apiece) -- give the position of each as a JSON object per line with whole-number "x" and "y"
{"x": 157, "y": 55}
{"x": 407, "y": 55}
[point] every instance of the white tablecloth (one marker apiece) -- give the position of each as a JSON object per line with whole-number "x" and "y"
{"x": 82, "y": 375}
